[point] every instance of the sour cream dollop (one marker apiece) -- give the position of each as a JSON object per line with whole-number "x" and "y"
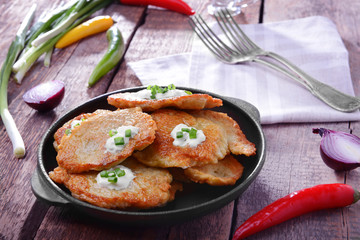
{"x": 122, "y": 182}
{"x": 185, "y": 140}
{"x": 145, "y": 94}
{"x": 110, "y": 145}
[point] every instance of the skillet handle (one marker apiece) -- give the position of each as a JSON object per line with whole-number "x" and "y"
{"x": 251, "y": 109}
{"x": 43, "y": 192}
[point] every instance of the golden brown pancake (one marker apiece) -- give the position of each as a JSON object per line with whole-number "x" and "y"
{"x": 151, "y": 187}
{"x": 222, "y": 136}
{"x": 238, "y": 143}
{"x": 84, "y": 149}
{"x": 194, "y": 101}
{"x": 225, "y": 172}
{"x": 61, "y": 131}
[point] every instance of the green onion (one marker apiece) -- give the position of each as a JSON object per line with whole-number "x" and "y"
{"x": 153, "y": 93}
{"x": 64, "y": 22}
{"x": 128, "y": 133}
{"x": 112, "y": 133}
{"x": 72, "y": 15}
{"x": 119, "y": 141}
{"x": 47, "y": 58}
{"x": 104, "y": 174}
{"x": 179, "y": 134}
{"x": 68, "y": 131}
{"x": 156, "y": 89}
{"x": 111, "y": 173}
{"x": 185, "y": 129}
{"x": 171, "y": 87}
{"x": 192, "y": 133}
{"x": 112, "y": 179}
{"x": 120, "y": 172}
{"x": 15, "y": 48}
{"x": 188, "y": 92}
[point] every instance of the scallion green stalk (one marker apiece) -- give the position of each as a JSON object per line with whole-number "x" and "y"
{"x": 23, "y": 64}
{"x": 61, "y": 26}
{"x": 47, "y": 58}
{"x": 14, "y": 50}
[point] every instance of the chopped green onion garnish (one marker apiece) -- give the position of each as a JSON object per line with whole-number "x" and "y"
{"x": 179, "y": 134}
{"x": 188, "y": 92}
{"x": 156, "y": 89}
{"x": 103, "y": 174}
{"x": 119, "y": 141}
{"x": 120, "y": 172}
{"x": 112, "y": 179}
{"x": 128, "y": 133}
{"x": 171, "y": 87}
{"x": 192, "y": 134}
{"x": 185, "y": 129}
{"x": 112, "y": 133}
{"x": 111, "y": 173}
{"x": 68, "y": 131}
{"x": 153, "y": 91}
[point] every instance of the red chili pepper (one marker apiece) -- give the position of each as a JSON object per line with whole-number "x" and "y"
{"x": 297, "y": 203}
{"x": 173, "y": 5}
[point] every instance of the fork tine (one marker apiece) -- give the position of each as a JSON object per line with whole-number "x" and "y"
{"x": 210, "y": 39}
{"x": 210, "y": 45}
{"x": 240, "y": 33}
{"x": 234, "y": 40}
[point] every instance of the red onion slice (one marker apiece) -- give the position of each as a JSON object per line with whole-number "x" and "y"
{"x": 339, "y": 150}
{"x": 45, "y": 96}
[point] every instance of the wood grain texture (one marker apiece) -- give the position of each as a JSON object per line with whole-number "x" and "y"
{"x": 73, "y": 66}
{"x": 293, "y": 161}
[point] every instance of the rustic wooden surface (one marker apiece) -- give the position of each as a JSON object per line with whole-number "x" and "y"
{"x": 293, "y": 161}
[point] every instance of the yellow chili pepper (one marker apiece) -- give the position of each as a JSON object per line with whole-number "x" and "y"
{"x": 88, "y": 28}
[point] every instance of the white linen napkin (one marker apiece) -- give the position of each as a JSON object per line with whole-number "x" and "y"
{"x": 312, "y": 43}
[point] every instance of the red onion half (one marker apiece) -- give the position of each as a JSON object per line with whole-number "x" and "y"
{"x": 45, "y": 96}
{"x": 339, "y": 150}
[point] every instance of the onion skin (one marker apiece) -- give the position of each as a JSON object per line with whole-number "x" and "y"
{"x": 46, "y": 96}
{"x": 339, "y": 150}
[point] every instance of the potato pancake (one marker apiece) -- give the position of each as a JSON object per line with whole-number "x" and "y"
{"x": 225, "y": 172}
{"x": 223, "y": 135}
{"x": 151, "y": 187}
{"x": 193, "y": 101}
{"x": 69, "y": 124}
{"x": 86, "y": 147}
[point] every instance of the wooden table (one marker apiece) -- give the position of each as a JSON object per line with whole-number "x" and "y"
{"x": 293, "y": 161}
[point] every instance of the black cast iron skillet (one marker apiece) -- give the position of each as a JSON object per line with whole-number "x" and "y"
{"x": 194, "y": 201}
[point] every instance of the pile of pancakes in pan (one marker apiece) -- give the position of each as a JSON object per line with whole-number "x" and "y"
{"x": 160, "y": 167}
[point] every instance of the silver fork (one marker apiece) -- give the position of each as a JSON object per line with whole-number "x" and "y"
{"x": 245, "y": 50}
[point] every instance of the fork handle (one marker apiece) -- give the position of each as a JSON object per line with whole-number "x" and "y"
{"x": 334, "y": 98}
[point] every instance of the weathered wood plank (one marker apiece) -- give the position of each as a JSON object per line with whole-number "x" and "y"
{"x": 293, "y": 162}
{"x": 293, "y": 159}
{"x": 72, "y": 65}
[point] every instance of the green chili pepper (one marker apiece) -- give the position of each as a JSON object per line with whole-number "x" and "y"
{"x": 112, "y": 56}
